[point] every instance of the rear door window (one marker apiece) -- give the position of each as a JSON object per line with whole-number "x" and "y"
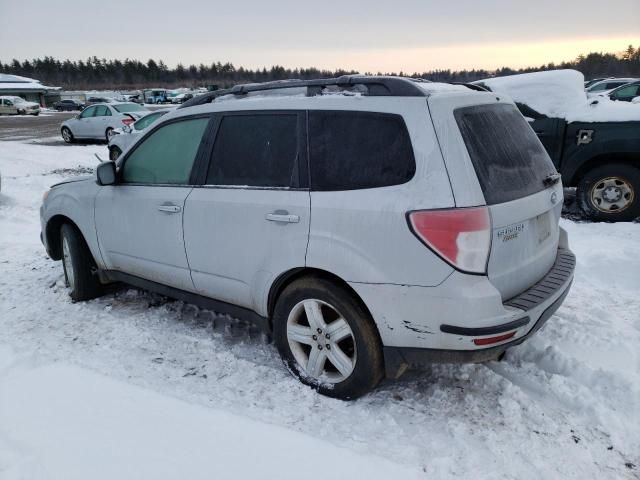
{"x": 356, "y": 150}
{"x": 508, "y": 158}
{"x": 258, "y": 150}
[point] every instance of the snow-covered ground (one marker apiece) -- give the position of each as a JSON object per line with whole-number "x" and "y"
{"x": 134, "y": 386}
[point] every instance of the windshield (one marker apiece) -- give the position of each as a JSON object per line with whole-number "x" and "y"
{"x": 18, "y": 100}
{"x": 129, "y": 107}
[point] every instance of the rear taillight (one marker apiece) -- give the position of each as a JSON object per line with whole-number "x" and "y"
{"x": 461, "y": 236}
{"x": 128, "y": 121}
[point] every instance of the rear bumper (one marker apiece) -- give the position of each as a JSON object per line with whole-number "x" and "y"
{"x": 537, "y": 305}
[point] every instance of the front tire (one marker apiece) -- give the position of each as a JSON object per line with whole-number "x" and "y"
{"x": 610, "y": 193}
{"x": 67, "y": 136}
{"x": 78, "y": 264}
{"x": 327, "y": 339}
{"x": 114, "y": 153}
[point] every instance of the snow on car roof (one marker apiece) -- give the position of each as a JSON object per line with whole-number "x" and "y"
{"x": 560, "y": 94}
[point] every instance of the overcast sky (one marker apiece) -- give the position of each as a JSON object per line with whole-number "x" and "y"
{"x": 413, "y": 35}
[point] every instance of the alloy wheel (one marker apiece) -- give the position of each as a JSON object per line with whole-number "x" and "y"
{"x": 321, "y": 341}
{"x": 68, "y": 265}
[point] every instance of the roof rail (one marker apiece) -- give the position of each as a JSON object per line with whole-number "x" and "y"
{"x": 367, "y": 85}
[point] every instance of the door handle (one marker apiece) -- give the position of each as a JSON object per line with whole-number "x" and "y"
{"x": 169, "y": 208}
{"x": 282, "y": 218}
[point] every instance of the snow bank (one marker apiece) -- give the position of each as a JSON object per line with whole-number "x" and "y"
{"x": 69, "y": 423}
{"x": 560, "y": 94}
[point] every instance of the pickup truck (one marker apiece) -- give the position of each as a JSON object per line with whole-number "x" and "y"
{"x": 594, "y": 143}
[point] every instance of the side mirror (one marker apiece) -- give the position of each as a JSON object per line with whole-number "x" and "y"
{"x": 106, "y": 173}
{"x": 636, "y": 100}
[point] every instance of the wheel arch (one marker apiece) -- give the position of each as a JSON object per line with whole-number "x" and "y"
{"x": 628, "y": 158}
{"x": 52, "y": 233}
{"x": 287, "y": 278}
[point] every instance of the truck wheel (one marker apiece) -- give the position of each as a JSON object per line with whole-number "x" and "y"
{"x": 79, "y": 266}
{"x": 609, "y": 193}
{"x": 327, "y": 339}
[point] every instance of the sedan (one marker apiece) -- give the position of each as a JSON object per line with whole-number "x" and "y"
{"x": 68, "y": 105}
{"x": 605, "y": 86}
{"x": 121, "y": 138}
{"x": 99, "y": 121}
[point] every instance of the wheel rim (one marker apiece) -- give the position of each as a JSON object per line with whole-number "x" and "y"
{"x": 109, "y": 133}
{"x": 321, "y": 341}
{"x": 68, "y": 266}
{"x": 612, "y": 194}
{"x": 66, "y": 135}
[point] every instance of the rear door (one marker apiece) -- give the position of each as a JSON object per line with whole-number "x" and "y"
{"x": 250, "y": 221}
{"x": 500, "y": 159}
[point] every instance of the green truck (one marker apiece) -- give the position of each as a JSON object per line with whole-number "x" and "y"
{"x": 594, "y": 143}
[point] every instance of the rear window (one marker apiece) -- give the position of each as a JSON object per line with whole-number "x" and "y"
{"x": 129, "y": 107}
{"x": 509, "y": 160}
{"x": 354, "y": 150}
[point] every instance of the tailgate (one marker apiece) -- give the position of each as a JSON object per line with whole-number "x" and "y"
{"x": 502, "y": 164}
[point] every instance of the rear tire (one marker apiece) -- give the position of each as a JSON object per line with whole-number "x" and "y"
{"x": 67, "y": 136}
{"x": 610, "y": 193}
{"x": 343, "y": 346}
{"x": 107, "y": 134}
{"x": 78, "y": 264}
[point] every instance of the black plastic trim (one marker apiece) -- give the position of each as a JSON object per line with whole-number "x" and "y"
{"x": 217, "y": 306}
{"x": 373, "y": 86}
{"x": 398, "y": 359}
{"x": 480, "y": 331}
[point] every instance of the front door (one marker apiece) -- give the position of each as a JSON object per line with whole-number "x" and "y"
{"x": 250, "y": 221}
{"x": 81, "y": 127}
{"x": 139, "y": 219}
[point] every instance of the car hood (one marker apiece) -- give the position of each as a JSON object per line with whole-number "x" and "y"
{"x": 81, "y": 178}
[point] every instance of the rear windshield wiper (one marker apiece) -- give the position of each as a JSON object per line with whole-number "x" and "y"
{"x": 551, "y": 179}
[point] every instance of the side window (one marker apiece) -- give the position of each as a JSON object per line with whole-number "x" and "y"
{"x": 88, "y": 112}
{"x": 101, "y": 111}
{"x": 167, "y": 155}
{"x": 627, "y": 92}
{"x": 354, "y": 150}
{"x": 258, "y": 150}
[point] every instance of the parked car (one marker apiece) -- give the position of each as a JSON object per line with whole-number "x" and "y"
{"x": 155, "y": 96}
{"x": 588, "y": 83}
{"x": 11, "y": 105}
{"x": 123, "y": 137}
{"x": 182, "y": 97}
{"x": 94, "y": 100}
{"x": 605, "y": 86}
{"x": 369, "y": 233}
{"x": 595, "y": 145}
{"x": 68, "y": 105}
{"x": 98, "y": 121}
{"x": 625, "y": 93}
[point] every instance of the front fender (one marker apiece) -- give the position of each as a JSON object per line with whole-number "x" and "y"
{"x": 72, "y": 202}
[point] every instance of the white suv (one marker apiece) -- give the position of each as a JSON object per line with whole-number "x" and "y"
{"x": 371, "y": 223}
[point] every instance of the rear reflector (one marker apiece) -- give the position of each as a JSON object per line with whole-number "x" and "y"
{"x": 460, "y": 236}
{"x": 490, "y": 340}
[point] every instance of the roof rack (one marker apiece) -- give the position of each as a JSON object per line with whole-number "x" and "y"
{"x": 367, "y": 85}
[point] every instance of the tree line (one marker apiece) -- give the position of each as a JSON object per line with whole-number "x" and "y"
{"x": 95, "y": 73}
